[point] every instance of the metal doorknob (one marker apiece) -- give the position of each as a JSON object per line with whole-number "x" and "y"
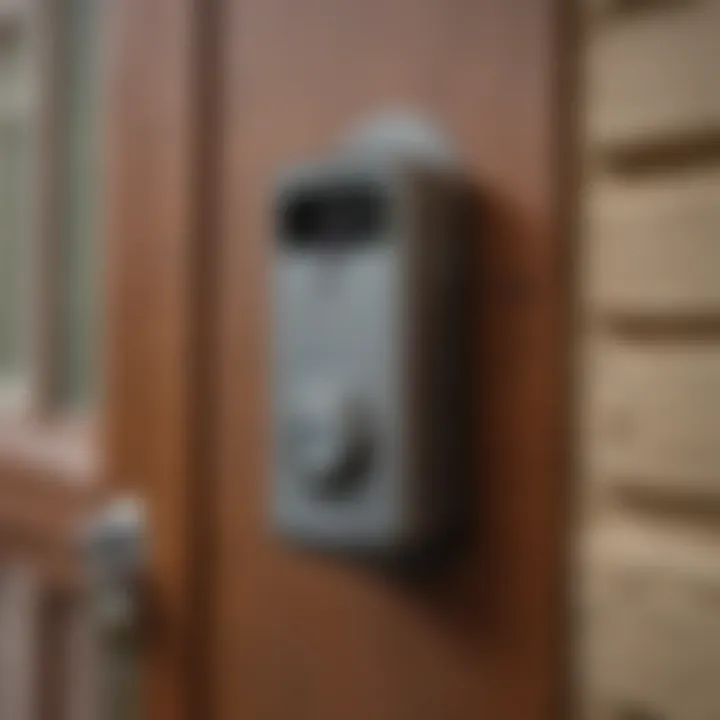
{"x": 115, "y": 547}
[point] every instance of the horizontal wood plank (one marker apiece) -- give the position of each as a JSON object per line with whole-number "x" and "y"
{"x": 652, "y": 646}
{"x": 654, "y": 247}
{"x": 653, "y": 416}
{"x": 654, "y": 76}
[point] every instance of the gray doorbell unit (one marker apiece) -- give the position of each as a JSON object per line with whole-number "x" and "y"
{"x": 369, "y": 268}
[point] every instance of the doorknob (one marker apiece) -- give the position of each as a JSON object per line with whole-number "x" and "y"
{"x": 115, "y": 549}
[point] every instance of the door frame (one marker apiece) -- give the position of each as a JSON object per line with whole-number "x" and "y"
{"x": 162, "y": 99}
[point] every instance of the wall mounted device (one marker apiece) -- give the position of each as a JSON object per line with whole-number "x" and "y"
{"x": 370, "y": 265}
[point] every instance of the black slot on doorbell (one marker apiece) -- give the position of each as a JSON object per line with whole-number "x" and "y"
{"x": 371, "y": 270}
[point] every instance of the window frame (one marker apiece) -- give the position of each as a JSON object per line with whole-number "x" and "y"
{"x": 50, "y": 457}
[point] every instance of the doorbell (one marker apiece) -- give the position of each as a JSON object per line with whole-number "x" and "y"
{"x": 370, "y": 267}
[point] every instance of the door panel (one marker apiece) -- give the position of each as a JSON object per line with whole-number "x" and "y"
{"x": 298, "y": 636}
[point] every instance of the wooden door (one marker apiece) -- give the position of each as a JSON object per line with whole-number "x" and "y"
{"x": 298, "y": 636}
{"x": 115, "y": 177}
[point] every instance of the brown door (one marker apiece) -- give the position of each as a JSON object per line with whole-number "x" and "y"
{"x": 300, "y": 636}
{"x": 100, "y": 114}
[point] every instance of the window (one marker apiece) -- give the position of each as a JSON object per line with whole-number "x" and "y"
{"x": 51, "y": 183}
{"x": 79, "y": 204}
{"x": 18, "y": 105}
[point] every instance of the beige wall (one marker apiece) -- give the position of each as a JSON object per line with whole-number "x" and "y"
{"x": 650, "y": 387}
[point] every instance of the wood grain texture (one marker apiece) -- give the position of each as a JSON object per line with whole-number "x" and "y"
{"x": 653, "y": 410}
{"x": 651, "y": 634}
{"x": 300, "y": 637}
{"x": 650, "y": 78}
{"x": 155, "y": 242}
{"x": 652, "y": 245}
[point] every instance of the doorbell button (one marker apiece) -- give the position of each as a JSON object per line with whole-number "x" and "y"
{"x": 328, "y": 439}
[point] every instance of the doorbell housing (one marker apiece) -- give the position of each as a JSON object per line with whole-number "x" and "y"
{"x": 370, "y": 269}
